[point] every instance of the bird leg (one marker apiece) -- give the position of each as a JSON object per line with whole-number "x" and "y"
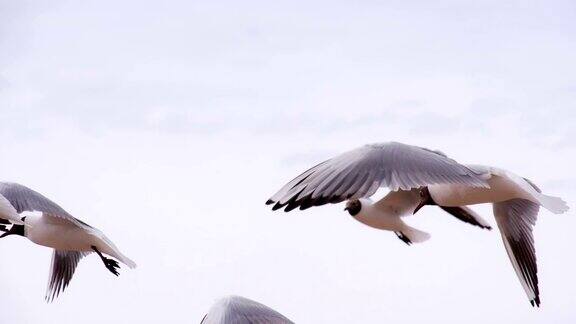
{"x": 110, "y": 264}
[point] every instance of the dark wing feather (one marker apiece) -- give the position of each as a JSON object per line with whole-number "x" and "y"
{"x": 62, "y": 269}
{"x": 467, "y": 215}
{"x": 515, "y": 219}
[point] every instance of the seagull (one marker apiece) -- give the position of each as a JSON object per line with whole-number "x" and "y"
{"x": 515, "y": 202}
{"x": 71, "y": 238}
{"x": 240, "y": 310}
{"x": 357, "y": 174}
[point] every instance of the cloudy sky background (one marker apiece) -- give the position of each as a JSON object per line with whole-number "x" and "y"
{"x": 168, "y": 125}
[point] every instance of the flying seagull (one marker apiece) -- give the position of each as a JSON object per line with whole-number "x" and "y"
{"x": 240, "y": 310}
{"x": 356, "y": 175}
{"x": 515, "y": 202}
{"x": 71, "y": 238}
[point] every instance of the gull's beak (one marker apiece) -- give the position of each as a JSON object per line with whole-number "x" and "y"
{"x": 346, "y": 208}
{"x": 420, "y": 205}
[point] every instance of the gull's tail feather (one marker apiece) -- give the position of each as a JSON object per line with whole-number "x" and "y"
{"x": 114, "y": 252}
{"x": 411, "y": 235}
{"x": 110, "y": 248}
{"x": 554, "y": 204}
{"x": 127, "y": 261}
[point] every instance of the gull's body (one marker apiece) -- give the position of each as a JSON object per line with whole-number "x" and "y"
{"x": 70, "y": 238}
{"x": 358, "y": 174}
{"x": 241, "y": 310}
{"x": 387, "y": 214}
{"x": 385, "y": 219}
{"x": 59, "y": 234}
{"x": 388, "y": 218}
{"x": 62, "y": 234}
{"x": 516, "y": 202}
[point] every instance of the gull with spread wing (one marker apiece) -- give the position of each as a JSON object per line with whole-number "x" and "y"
{"x": 356, "y": 175}
{"x": 71, "y": 238}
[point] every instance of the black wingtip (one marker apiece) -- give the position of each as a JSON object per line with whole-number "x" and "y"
{"x": 535, "y": 302}
{"x": 291, "y": 206}
{"x": 278, "y": 206}
{"x": 269, "y": 202}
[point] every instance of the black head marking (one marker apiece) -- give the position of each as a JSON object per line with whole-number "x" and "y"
{"x": 14, "y": 230}
{"x": 353, "y": 207}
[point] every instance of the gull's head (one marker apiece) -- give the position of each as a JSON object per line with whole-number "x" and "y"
{"x": 425, "y": 199}
{"x": 353, "y": 206}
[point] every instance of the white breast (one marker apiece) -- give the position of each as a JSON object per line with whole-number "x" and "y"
{"x": 57, "y": 233}
{"x": 374, "y": 217}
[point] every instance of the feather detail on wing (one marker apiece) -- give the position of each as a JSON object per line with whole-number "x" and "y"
{"x": 515, "y": 219}
{"x": 62, "y": 269}
{"x": 360, "y": 172}
{"x": 23, "y": 199}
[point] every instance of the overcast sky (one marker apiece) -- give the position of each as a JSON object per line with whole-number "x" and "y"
{"x": 168, "y": 124}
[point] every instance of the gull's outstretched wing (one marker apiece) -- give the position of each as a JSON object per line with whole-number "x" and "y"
{"x": 23, "y": 199}
{"x": 62, "y": 269}
{"x": 515, "y": 219}
{"x": 360, "y": 172}
{"x": 240, "y": 310}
